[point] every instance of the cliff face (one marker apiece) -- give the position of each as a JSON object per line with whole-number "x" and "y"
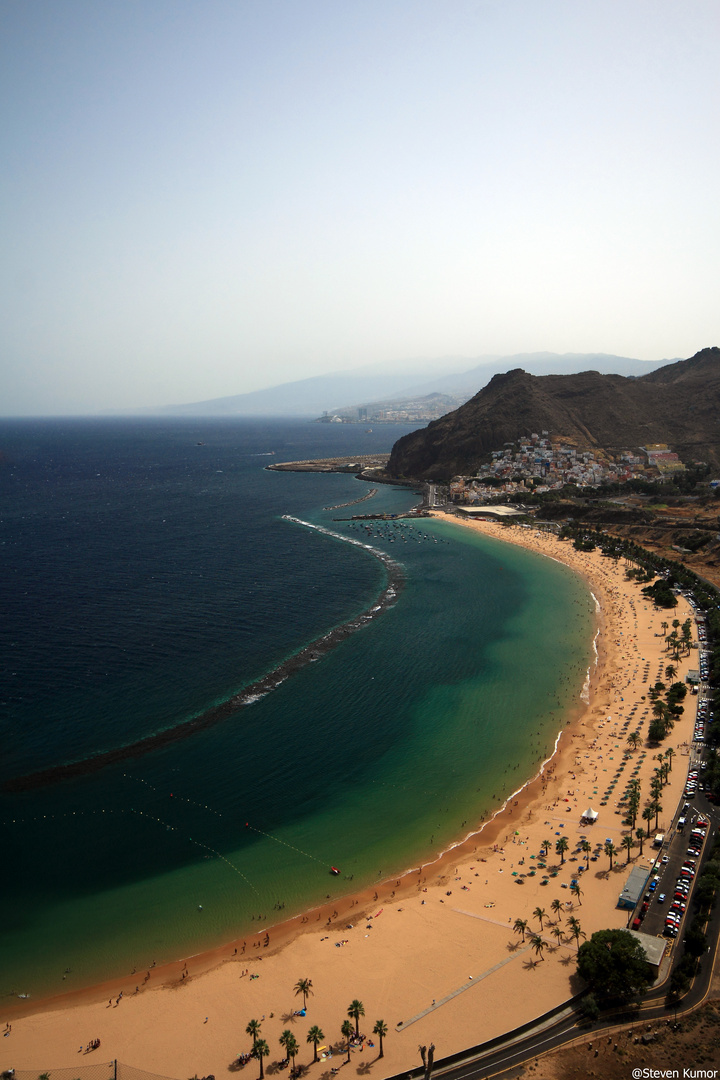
{"x": 677, "y": 404}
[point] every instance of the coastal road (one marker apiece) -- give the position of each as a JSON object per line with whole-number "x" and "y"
{"x": 513, "y": 1051}
{"x": 432, "y": 499}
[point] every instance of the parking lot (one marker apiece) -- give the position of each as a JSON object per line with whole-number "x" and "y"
{"x": 670, "y": 886}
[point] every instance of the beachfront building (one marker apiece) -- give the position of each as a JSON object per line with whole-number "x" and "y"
{"x": 489, "y": 513}
{"x": 654, "y": 948}
{"x": 634, "y": 887}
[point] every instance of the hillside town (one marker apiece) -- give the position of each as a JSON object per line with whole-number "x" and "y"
{"x": 543, "y": 462}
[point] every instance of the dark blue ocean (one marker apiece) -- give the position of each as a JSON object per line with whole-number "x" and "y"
{"x": 148, "y": 575}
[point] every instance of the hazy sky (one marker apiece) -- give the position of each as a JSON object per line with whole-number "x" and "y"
{"x": 204, "y": 198}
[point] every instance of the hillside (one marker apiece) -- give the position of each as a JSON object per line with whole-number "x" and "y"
{"x": 677, "y": 404}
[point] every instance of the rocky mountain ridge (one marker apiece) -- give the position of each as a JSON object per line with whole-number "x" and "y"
{"x": 678, "y": 404}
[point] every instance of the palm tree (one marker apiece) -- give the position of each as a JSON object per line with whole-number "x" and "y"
{"x": 634, "y": 739}
{"x": 659, "y": 710}
{"x": 537, "y": 944}
{"x": 627, "y": 844}
{"x": 561, "y": 847}
{"x": 520, "y": 927}
{"x": 670, "y": 672}
{"x": 304, "y": 987}
{"x": 356, "y": 1009}
{"x": 288, "y": 1040}
{"x": 656, "y": 809}
{"x": 610, "y": 850}
{"x": 347, "y": 1034}
{"x": 315, "y": 1036}
{"x": 540, "y": 914}
{"x": 546, "y": 845}
{"x": 674, "y": 640}
{"x": 633, "y": 807}
{"x": 576, "y": 890}
{"x": 575, "y": 930}
{"x": 669, "y": 754}
{"x": 640, "y": 833}
{"x": 558, "y": 934}
{"x": 253, "y": 1030}
{"x": 260, "y": 1050}
{"x": 557, "y": 907}
{"x": 664, "y": 627}
{"x": 380, "y": 1030}
{"x": 648, "y": 815}
{"x": 587, "y": 848}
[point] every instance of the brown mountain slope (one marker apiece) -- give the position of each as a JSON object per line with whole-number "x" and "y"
{"x": 677, "y": 404}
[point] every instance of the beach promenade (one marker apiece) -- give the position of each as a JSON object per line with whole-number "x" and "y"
{"x": 435, "y": 954}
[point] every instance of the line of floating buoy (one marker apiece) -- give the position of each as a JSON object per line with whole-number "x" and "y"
{"x": 333, "y": 869}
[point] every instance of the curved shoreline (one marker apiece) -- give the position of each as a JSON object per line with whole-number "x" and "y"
{"x": 310, "y": 653}
{"x": 410, "y": 941}
{"x": 358, "y": 903}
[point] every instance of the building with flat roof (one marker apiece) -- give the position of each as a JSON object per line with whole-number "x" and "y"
{"x": 634, "y": 887}
{"x": 654, "y": 948}
{"x": 490, "y": 513}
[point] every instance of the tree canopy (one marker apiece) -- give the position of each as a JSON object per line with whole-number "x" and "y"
{"x": 613, "y": 962}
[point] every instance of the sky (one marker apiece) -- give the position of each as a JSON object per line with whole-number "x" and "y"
{"x": 206, "y": 198}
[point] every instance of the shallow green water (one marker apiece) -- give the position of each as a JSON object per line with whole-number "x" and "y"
{"x": 374, "y": 759}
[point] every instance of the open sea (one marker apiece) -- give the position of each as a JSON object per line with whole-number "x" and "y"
{"x": 149, "y": 575}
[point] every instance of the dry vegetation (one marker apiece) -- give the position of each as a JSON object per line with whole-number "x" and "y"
{"x": 694, "y": 1045}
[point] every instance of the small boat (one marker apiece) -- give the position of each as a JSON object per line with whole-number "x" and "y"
{"x": 334, "y": 870}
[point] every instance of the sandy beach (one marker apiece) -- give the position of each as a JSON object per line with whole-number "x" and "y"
{"x": 433, "y": 954}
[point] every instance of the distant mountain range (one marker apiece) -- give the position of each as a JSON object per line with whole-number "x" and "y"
{"x": 341, "y": 391}
{"x": 678, "y": 404}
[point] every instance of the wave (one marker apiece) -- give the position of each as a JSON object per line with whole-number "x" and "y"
{"x": 247, "y": 696}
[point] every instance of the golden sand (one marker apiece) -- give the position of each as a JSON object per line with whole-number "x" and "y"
{"x": 435, "y": 955}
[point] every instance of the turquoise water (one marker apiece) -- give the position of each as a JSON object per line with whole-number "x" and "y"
{"x": 373, "y": 759}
